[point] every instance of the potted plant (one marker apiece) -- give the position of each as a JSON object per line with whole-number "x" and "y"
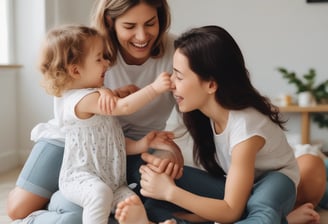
{"x": 306, "y": 83}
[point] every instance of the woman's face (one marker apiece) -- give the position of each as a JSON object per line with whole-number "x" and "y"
{"x": 137, "y": 30}
{"x": 189, "y": 91}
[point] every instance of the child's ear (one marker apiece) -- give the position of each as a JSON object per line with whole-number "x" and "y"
{"x": 73, "y": 71}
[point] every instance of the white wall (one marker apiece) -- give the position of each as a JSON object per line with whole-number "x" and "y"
{"x": 292, "y": 34}
{"x": 33, "y": 104}
{"x": 8, "y": 123}
{"x": 32, "y": 22}
{"x": 270, "y": 33}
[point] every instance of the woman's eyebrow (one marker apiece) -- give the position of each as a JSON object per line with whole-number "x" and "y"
{"x": 131, "y": 23}
{"x": 152, "y": 18}
{"x": 176, "y": 70}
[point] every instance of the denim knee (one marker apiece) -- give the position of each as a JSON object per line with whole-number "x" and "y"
{"x": 63, "y": 210}
{"x": 272, "y": 198}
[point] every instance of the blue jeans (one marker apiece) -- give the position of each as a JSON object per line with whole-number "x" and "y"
{"x": 60, "y": 211}
{"x": 41, "y": 170}
{"x": 272, "y": 198}
{"x": 324, "y": 201}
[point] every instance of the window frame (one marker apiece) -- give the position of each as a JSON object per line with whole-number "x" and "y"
{"x": 9, "y": 48}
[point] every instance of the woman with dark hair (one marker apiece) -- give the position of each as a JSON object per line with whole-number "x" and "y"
{"x": 238, "y": 136}
{"x": 139, "y": 49}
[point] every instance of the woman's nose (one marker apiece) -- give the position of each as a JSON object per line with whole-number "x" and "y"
{"x": 141, "y": 34}
{"x": 172, "y": 82}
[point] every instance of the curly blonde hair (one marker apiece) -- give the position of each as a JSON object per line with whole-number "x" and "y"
{"x": 63, "y": 46}
{"x": 104, "y": 9}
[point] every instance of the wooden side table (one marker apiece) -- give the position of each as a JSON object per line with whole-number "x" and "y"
{"x": 305, "y": 117}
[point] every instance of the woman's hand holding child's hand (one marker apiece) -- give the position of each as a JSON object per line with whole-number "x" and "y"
{"x": 155, "y": 185}
{"x": 163, "y": 162}
{"x": 167, "y": 157}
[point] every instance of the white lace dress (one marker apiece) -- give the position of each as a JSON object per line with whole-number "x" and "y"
{"x": 94, "y": 157}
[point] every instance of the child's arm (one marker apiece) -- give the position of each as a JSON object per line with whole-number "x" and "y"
{"x": 137, "y": 100}
{"x": 125, "y": 90}
{"x": 108, "y": 98}
{"x": 123, "y": 106}
{"x": 154, "y": 139}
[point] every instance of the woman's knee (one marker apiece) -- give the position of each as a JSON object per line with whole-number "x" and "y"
{"x": 71, "y": 218}
{"x": 313, "y": 179}
{"x": 276, "y": 191}
{"x": 60, "y": 204}
{"x": 21, "y": 203}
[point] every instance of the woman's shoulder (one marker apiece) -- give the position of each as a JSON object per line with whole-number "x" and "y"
{"x": 244, "y": 113}
{"x": 247, "y": 116}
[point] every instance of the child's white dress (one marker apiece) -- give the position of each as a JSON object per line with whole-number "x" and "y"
{"x": 93, "y": 173}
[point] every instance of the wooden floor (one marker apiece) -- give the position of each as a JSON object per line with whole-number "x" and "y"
{"x": 7, "y": 182}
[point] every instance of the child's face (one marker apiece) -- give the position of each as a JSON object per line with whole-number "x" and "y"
{"x": 136, "y": 31}
{"x": 92, "y": 72}
{"x": 190, "y": 92}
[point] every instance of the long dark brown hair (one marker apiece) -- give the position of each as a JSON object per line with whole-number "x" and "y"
{"x": 214, "y": 55}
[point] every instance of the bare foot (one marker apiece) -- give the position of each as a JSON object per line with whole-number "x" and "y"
{"x": 132, "y": 211}
{"x": 304, "y": 214}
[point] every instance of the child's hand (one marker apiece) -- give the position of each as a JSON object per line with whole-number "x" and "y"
{"x": 107, "y": 100}
{"x": 162, "y": 83}
{"x": 158, "y": 139}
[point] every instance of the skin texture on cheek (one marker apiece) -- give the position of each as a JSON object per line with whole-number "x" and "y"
{"x": 137, "y": 30}
{"x": 190, "y": 92}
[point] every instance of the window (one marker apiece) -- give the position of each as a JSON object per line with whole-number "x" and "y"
{"x": 5, "y": 31}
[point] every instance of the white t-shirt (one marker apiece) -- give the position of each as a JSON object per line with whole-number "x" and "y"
{"x": 154, "y": 115}
{"x": 53, "y": 129}
{"x": 276, "y": 153}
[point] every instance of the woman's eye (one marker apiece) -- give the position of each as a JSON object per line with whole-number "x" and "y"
{"x": 129, "y": 27}
{"x": 175, "y": 75}
{"x": 178, "y": 78}
{"x": 150, "y": 24}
